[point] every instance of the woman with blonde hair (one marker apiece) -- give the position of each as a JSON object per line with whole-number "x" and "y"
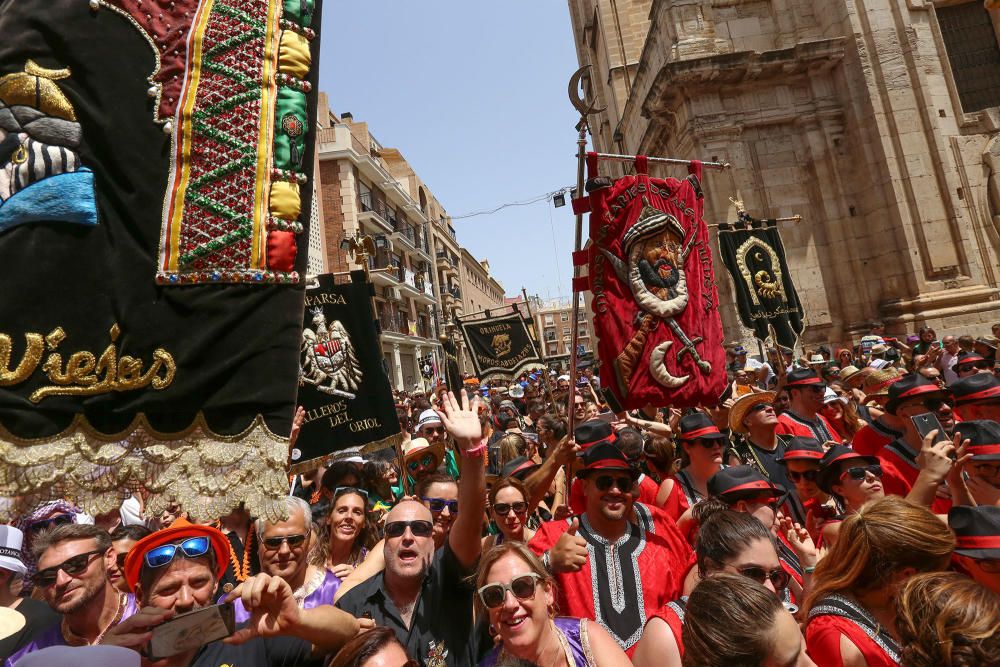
{"x": 851, "y": 610}
{"x": 948, "y": 620}
{"x": 518, "y": 596}
{"x": 509, "y": 508}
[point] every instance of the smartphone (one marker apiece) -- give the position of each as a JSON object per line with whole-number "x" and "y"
{"x": 927, "y": 422}
{"x": 192, "y": 630}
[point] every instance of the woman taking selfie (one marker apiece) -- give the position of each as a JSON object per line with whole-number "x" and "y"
{"x": 851, "y": 609}
{"x": 518, "y": 595}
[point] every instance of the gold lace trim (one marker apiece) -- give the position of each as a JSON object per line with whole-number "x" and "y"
{"x": 207, "y": 473}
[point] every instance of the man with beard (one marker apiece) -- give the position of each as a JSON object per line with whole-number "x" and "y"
{"x": 176, "y": 570}
{"x": 74, "y": 564}
{"x": 910, "y": 396}
{"x": 424, "y": 595}
{"x": 620, "y": 560}
{"x": 802, "y": 418}
{"x": 284, "y": 553}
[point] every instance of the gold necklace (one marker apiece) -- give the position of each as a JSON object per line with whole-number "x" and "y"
{"x": 73, "y": 639}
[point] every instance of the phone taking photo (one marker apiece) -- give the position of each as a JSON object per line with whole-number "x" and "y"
{"x": 927, "y": 422}
{"x": 192, "y": 630}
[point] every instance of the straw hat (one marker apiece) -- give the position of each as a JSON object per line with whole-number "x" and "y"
{"x": 742, "y": 405}
{"x": 877, "y": 383}
{"x": 417, "y": 447}
{"x": 848, "y": 372}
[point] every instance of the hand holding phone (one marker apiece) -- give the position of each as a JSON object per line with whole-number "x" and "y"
{"x": 192, "y": 630}
{"x": 927, "y": 422}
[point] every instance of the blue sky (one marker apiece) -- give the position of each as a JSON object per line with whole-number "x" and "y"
{"x": 474, "y": 96}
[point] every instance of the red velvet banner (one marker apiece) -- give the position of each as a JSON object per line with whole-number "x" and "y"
{"x": 655, "y": 304}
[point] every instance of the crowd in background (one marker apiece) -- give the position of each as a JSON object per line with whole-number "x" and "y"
{"x": 837, "y": 507}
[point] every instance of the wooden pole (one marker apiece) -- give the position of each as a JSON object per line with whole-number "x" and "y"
{"x": 541, "y": 350}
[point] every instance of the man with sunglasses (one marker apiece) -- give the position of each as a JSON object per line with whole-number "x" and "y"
{"x": 620, "y": 560}
{"x": 978, "y": 396}
{"x": 73, "y": 575}
{"x": 177, "y": 570}
{"x": 424, "y": 595}
{"x": 971, "y": 363}
{"x": 983, "y": 470}
{"x": 910, "y": 396}
{"x": 802, "y": 418}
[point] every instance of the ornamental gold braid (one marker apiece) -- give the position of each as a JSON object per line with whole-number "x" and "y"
{"x": 774, "y": 288}
{"x": 205, "y": 472}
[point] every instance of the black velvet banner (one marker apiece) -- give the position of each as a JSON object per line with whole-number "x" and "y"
{"x": 500, "y": 346}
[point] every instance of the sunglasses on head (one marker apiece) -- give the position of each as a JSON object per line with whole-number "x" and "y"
{"x": 419, "y": 528}
{"x": 193, "y": 547}
{"x": 274, "y": 543}
{"x": 860, "y": 472}
{"x": 778, "y": 577}
{"x": 503, "y": 509}
{"x": 438, "y": 504}
{"x": 340, "y": 490}
{"x": 623, "y": 482}
{"x": 43, "y": 524}
{"x": 523, "y": 588}
{"x": 73, "y": 566}
{"x": 808, "y": 475}
{"x": 424, "y": 461}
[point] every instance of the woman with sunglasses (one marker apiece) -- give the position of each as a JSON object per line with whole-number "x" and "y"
{"x": 518, "y": 595}
{"x": 801, "y": 460}
{"x": 853, "y": 480}
{"x": 851, "y": 609}
{"x": 509, "y": 509}
{"x": 841, "y": 415}
{"x": 703, "y": 446}
{"x": 728, "y": 541}
{"x": 347, "y": 534}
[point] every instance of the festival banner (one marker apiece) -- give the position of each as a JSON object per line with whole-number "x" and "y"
{"x": 765, "y": 296}
{"x": 500, "y": 346}
{"x": 342, "y": 386}
{"x": 655, "y": 305}
{"x": 155, "y": 179}
{"x": 452, "y": 378}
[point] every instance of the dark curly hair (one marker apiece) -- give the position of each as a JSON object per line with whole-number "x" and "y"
{"x": 948, "y": 620}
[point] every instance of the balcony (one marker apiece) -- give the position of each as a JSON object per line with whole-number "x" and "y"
{"x": 397, "y": 326}
{"x": 373, "y": 208}
{"x": 447, "y": 264}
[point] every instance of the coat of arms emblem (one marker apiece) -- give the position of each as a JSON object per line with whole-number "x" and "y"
{"x": 501, "y": 345}
{"x": 328, "y": 359}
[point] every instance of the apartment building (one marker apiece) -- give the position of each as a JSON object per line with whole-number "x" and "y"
{"x": 554, "y": 327}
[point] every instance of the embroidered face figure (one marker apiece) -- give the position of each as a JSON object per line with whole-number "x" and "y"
{"x": 524, "y": 613}
{"x": 41, "y": 175}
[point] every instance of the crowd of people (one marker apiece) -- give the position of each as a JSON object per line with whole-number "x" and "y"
{"x": 841, "y": 508}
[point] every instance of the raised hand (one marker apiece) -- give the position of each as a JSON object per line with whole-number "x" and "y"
{"x": 297, "y": 421}
{"x": 935, "y": 456}
{"x": 800, "y": 541}
{"x": 461, "y": 422}
{"x": 272, "y": 608}
{"x": 569, "y": 553}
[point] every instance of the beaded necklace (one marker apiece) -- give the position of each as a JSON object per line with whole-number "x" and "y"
{"x": 242, "y": 571}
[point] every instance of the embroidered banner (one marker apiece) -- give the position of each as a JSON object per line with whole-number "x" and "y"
{"x": 500, "y": 346}
{"x": 342, "y": 385}
{"x": 765, "y": 296}
{"x": 114, "y": 114}
{"x": 655, "y": 304}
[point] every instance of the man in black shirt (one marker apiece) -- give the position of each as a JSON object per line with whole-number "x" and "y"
{"x": 426, "y": 597}
{"x": 169, "y": 581}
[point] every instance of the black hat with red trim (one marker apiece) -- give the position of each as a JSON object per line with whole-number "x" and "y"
{"x": 801, "y": 378}
{"x": 798, "y": 448}
{"x": 975, "y": 388}
{"x": 518, "y": 468}
{"x": 830, "y": 463}
{"x": 699, "y": 426}
{"x": 983, "y": 436}
{"x": 592, "y": 432}
{"x": 740, "y": 482}
{"x": 968, "y": 358}
{"x": 910, "y": 386}
{"x": 603, "y": 456}
{"x": 977, "y": 531}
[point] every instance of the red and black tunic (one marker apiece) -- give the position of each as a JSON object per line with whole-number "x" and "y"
{"x": 836, "y": 615}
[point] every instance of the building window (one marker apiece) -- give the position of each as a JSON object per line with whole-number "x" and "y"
{"x": 971, "y": 42}
{"x": 564, "y": 317}
{"x": 549, "y": 321}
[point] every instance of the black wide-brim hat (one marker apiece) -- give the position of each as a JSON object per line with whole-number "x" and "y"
{"x": 592, "y": 432}
{"x": 828, "y": 465}
{"x": 911, "y": 386}
{"x": 975, "y": 388}
{"x": 801, "y": 378}
{"x": 603, "y": 457}
{"x": 977, "y": 531}
{"x": 983, "y": 436}
{"x": 699, "y": 426}
{"x": 798, "y": 448}
{"x": 738, "y": 482}
{"x": 518, "y": 468}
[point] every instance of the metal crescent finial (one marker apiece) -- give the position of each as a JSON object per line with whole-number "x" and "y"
{"x": 576, "y": 94}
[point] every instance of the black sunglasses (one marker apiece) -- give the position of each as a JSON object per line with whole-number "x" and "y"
{"x": 272, "y": 543}
{"x": 418, "y": 527}
{"x": 860, "y": 472}
{"x": 41, "y": 525}
{"x": 759, "y": 407}
{"x": 981, "y": 365}
{"x": 623, "y": 482}
{"x": 438, "y": 504}
{"x": 779, "y": 578}
{"x": 934, "y": 404}
{"x": 523, "y": 588}
{"x": 73, "y": 566}
{"x": 503, "y": 509}
{"x": 808, "y": 475}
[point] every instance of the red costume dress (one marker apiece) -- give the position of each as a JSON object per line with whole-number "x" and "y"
{"x": 837, "y": 615}
{"x": 870, "y": 440}
{"x": 623, "y": 583}
{"x": 900, "y": 470}
{"x": 672, "y": 614}
{"x": 790, "y": 423}
{"x": 676, "y": 504}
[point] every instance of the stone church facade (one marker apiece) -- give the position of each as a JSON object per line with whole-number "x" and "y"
{"x": 875, "y": 120}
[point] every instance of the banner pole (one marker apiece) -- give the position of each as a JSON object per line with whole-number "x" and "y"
{"x": 581, "y": 156}
{"x": 541, "y": 350}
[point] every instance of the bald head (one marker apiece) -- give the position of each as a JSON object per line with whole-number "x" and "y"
{"x": 409, "y": 545}
{"x": 408, "y": 510}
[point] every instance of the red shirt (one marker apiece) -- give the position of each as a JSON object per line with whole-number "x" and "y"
{"x": 819, "y": 428}
{"x": 676, "y": 503}
{"x": 824, "y": 631}
{"x": 900, "y": 471}
{"x": 632, "y": 578}
{"x": 672, "y": 614}
{"x": 870, "y": 440}
{"x": 648, "y": 489}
